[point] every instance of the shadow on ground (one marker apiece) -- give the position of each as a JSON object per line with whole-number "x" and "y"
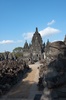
{"x": 21, "y": 92}
{"x": 26, "y": 74}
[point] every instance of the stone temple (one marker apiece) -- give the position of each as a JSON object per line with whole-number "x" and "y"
{"x": 36, "y": 43}
{"x": 35, "y": 49}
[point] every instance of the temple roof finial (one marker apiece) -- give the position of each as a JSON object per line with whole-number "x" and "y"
{"x": 36, "y": 30}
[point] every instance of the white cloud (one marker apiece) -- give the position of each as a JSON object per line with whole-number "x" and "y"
{"x": 6, "y": 41}
{"x": 28, "y": 35}
{"x": 49, "y": 31}
{"x": 19, "y": 41}
{"x": 52, "y": 22}
{"x": 45, "y": 32}
{"x": 10, "y": 41}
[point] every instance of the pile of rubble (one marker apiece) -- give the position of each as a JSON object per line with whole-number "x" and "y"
{"x": 11, "y": 71}
{"x": 53, "y": 72}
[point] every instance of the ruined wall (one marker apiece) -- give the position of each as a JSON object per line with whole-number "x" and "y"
{"x": 53, "y": 72}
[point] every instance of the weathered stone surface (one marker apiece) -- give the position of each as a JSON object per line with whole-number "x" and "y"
{"x": 55, "y": 68}
{"x": 11, "y": 71}
{"x": 53, "y": 71}
{"x": 46, "y": 95}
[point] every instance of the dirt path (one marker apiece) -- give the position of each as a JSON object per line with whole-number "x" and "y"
{"x": 27, "y": 88}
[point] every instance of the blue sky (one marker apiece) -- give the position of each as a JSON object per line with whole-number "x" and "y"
{"x": 19, "y": 18}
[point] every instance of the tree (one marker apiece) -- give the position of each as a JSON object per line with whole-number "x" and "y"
{"x": 18, "y": 49}
{"x": 18, "y": 52}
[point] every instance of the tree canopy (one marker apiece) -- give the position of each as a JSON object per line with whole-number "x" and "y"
{"x": 18, "y": 49}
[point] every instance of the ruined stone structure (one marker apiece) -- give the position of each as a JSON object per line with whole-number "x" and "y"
{"x": 53, "y": 72}
{"x": 65, "y": 40}
{"x": 11, "y": 72}
{"x": 34, "y": 50}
